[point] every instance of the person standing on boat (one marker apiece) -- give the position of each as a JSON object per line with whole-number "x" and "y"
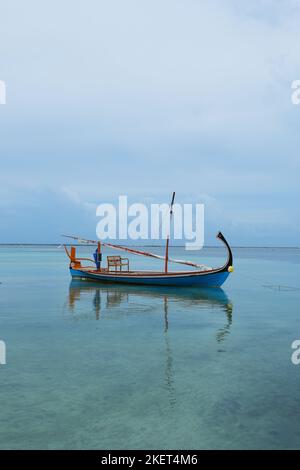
{"x": 98, "y": 257}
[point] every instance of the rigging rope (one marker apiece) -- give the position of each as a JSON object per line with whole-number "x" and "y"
{"x": 139, "y": 252}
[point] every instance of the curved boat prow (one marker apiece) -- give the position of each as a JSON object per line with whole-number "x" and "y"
{"x": 228, "y": 266}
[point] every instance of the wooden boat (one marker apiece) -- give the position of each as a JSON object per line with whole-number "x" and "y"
{"x": 117, "y": 270}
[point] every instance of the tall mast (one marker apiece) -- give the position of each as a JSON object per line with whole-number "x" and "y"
{"x": 168, "y": 236}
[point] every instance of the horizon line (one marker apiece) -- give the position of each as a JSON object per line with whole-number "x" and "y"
{"x": 150, "y": 246}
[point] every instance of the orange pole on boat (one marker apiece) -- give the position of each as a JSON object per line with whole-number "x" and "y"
{"x": 73, "y": 253}
{"x": 167, "y": 256}
{"x": 168, "y": 237}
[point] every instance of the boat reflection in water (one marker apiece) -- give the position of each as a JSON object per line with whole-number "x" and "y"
{"x": 105, "y": 297}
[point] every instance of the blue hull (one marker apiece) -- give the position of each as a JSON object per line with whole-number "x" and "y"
{"x": 204, "y": 279}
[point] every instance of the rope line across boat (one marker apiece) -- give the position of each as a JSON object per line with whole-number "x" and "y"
{"x": 139, "y": 252}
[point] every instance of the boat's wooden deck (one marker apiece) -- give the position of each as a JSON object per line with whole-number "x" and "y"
{"x": 134, "y": 273}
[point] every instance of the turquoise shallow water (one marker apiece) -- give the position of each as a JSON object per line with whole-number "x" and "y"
{"x": 105, "y": 367}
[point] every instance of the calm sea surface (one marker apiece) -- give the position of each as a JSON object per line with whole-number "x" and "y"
{"x": 105, "y": 367}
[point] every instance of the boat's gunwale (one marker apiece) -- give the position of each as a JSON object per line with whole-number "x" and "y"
{"x": 131, "y": 274}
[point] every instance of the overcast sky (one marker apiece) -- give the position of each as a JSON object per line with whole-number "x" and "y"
{"x": 142, "y": 98}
